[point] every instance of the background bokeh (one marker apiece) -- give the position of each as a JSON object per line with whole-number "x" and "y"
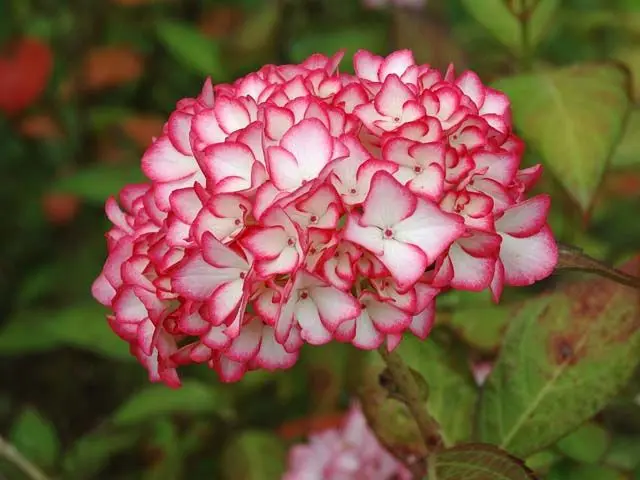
{"x": 85, "y": 85}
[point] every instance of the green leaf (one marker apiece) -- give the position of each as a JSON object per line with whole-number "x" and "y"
{"x": 254, "y": 455}
{"x": 98, "y": 182}
{"x": 192, "y": 49}
{"x": 452, "y": 391}
{"x": 369, "y": 36}
{"x": 325, "y": 367}
{"x": 587, "y": 444}
{"x": 574, "y": 117}
{"x": 482, "y": 327}
{"x": 192, "y": 398}
{"x": 101, "y": 117}
{"x": 564, "y": 356}
{"x": 505, "y": 26}
{"x": 36, "y": 438}
{"x": 167, "y": 440}
{"x": 624, "y": 452}
{"x": 92, "y": 452}
{"x": 627, "y": 153}
{"x": 83, "y": 326}
{"x": 541, "y": 461}
{"x": 259, "y": 28}
{"x": 476, "y": 461}
{"x": 630, "y": 57}
{"x": 17, "y": 337}
{"x": 585, "y": 472}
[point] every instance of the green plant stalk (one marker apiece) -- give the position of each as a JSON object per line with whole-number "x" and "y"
{"x": 526, "y": 56}
{"x": 13, "y": 456}
{"x": 412, "y": 397}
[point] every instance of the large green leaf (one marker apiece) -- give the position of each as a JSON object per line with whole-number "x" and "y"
{"x": 476, "y": 462}
{"x": 192, "y": 49}
{"x": 154, "y": 401}
{"x": 505, "y": 26}
{"x": 83, "y": 326}
{"x": 564, "y": 356}
{"x": 254, "y": 455}
{"x": 627, "y": 153}
{"x": 587, "y": 444}
{"x": 574, "y": 117}
{"x": 97, "y": 183}
{"x": 36, "y": 438}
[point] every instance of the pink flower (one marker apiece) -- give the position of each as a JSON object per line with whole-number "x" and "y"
{"x": 301, "y": 205}
{"x": 348, "y": 453}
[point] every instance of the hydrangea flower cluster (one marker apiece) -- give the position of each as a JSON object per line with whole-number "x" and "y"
{"x": 301, "y": 205}
{"x": 351, "y": 452}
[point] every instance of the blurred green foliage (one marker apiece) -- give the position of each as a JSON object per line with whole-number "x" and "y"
{"x": 75, "y": 403}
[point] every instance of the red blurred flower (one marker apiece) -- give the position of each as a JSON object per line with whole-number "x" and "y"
{"x": 25, "y": 68}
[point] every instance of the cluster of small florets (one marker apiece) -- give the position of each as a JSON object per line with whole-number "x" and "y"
{"x": 300, "y": 205}
{"x": 346, "y": 453}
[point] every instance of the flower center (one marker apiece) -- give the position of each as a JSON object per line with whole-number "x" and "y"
{"x": 242, "y": 275}
{"x": 417, "y": 169}
{"x": 304, "y": 295}
{"x": 237, "y": 222}
{"x": 313, "y": 218}
{"x": 291, "y": 241}
{"x": 388, "y": 233}
{"x": 353, "y": 191}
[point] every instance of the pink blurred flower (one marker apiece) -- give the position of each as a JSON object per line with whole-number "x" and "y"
{"x": 348, "y": 453}
{"x": 300, "y": 205}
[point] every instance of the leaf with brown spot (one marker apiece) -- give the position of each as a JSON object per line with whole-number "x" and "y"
{"x": 110, "y": 66}
{"x": 564, "y": 356}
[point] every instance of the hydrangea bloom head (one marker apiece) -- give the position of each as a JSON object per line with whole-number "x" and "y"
{"x": 349, "y": 453}
{"x": 300, "y": 205}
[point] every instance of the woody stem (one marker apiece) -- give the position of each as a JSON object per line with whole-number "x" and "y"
{"x": 12, "y": 455}
{"x": 411, "y": 395}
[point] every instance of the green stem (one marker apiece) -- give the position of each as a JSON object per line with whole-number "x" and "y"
{"x": 12, "y": 455}
{"x": 411, "y": 395}
{"x": 524, "y": 16}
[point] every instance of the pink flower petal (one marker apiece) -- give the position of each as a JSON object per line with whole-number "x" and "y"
{"x": 529, "y": 259}
{"x": 526, "y": 218}
{"x": 163, "y": 163}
